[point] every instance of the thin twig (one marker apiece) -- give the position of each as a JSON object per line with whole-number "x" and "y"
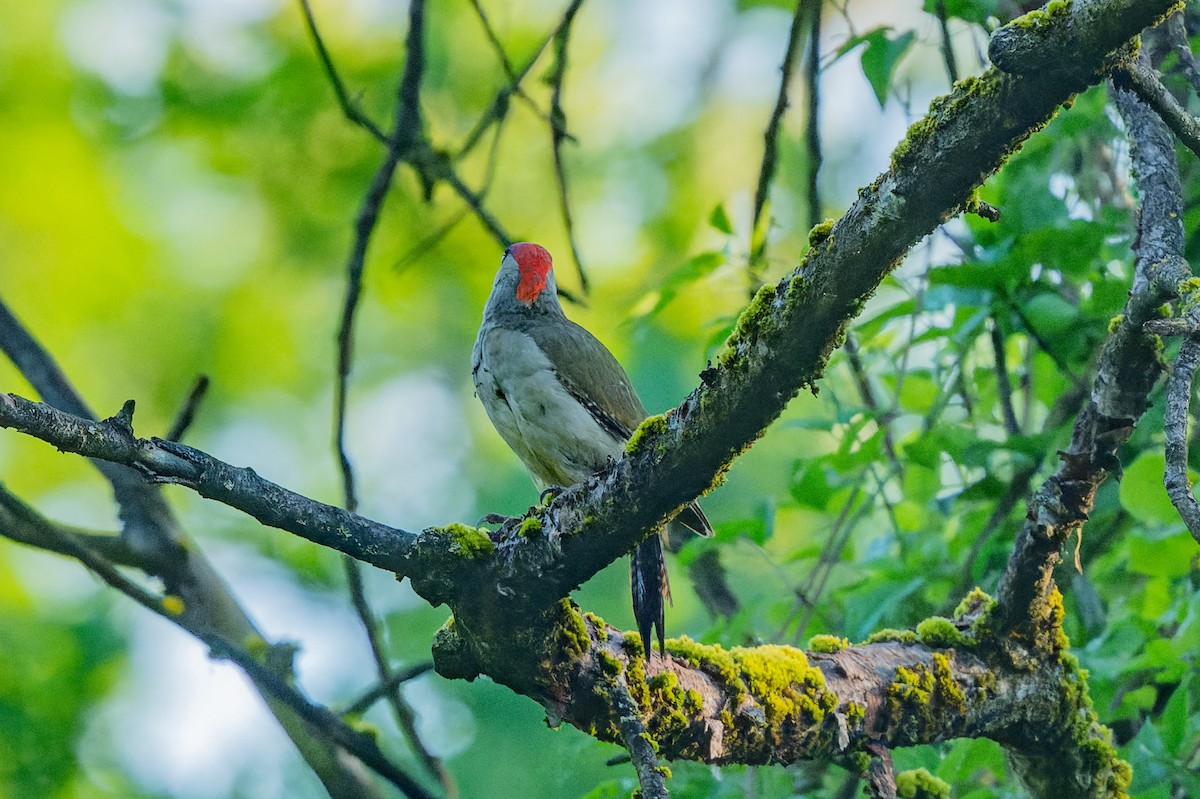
{"x": 406, "y": 131}
{"x": 361, "y": 745}
{"x": 641, "y": 752}
{"x": 766, "y": 172}
{"x": 881, "y": 779}
{"x": 21, "y": 523}
{"x": 812, "y": 126}
{"x": 867, "y": 394}
{"x": 947, "y": 48}
{"x": 188, "y": 413}
{"x": 349, "y": 108}
{"x": 558, "y": 133}
{"x": 494, "y": 40}
{"x": 389, "y": 685}
{"x": 1003, "y": 384}
{"x": 377, "y": 692}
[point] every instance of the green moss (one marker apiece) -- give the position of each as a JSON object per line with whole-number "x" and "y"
{"x": 654, "y": 425}
{"x": 664, "y": 681}
{"x": 752, "y": 321}
{"x": 531, "y": 527}
{"x": 827, "y": 644}
{"x": 693, "y": 701}
{"x": 820, "y": 232}
{"x": 977, "y": 601}
{"x": 920, "y": 784}
{"x": 856, "y": 714}
{"x": 1087, "y": 739}
{"x": 780, "y": 678}
{"x": 712, "y": 659}
{"x": 920, "y": 698}
{"x": 257, "y": 646}
{"x": 940, "y": 633}
{"x": 941, "y": 107}
{"x": 598, "y": 625}
{"x": 611, "y": 665}
{"x": 635, "y": 678}
{"x": 894, "y": 636}
{"x": 571, "y": 628}
{"x": 1115, "y": 323}
{"x": 947, "y": 686}
{"x": 664, "y": 771}
{"x": 469, "y": 541}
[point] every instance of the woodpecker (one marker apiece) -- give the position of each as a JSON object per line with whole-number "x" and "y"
{"x": 563, "y": 404}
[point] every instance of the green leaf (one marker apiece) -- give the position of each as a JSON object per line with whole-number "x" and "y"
{"x": 1159, "y": 556}
{"x": 1143, "y": 494}
{"x": 693, "y": 269}
{"x": 719, "y": 219}
{"x": 1051, "y": 315}
{"x": 881, "y": 56}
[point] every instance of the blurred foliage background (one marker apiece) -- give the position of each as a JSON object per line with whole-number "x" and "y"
{"x": 177, "y": 198}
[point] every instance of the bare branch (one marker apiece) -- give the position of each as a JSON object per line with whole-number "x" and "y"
{"x": 881, "y": 778}
{"x": 21, "y": 523}
{"x": 1175, "y": 425}
{"x": 1139, "y": 77}
{"x": 637, "y": 741}
{"x": 171, "y": 462}
{"x": 1128, "y": 368}
{"x": 154, "y": 539}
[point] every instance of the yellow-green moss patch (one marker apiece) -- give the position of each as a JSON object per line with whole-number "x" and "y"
{"x": 469, "y": 541}
{"x": 531, "y": 527}
{"x": 940, "y": 633}
{"x": 892, "y": 636}
{"x": 654, "y": 425}
{"x": 827, "y": 644}
{"x": 611, "y": 664}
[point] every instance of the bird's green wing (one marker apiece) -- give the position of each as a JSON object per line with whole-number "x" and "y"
{"x": 592, "y": 375}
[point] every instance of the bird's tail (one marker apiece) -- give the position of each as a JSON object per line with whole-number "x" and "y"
{"x": 651, "y": 591}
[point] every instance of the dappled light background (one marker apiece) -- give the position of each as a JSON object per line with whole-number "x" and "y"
{"x": 177, "y": 198}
